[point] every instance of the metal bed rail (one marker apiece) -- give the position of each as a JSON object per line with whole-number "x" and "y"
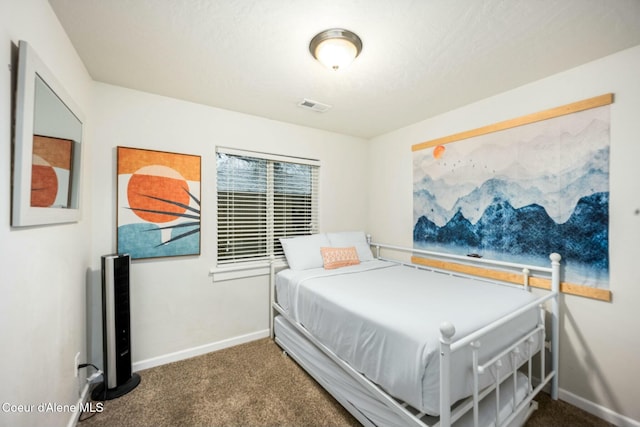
{"x": 468, "y": 259}
{"x": 448, "y": 346}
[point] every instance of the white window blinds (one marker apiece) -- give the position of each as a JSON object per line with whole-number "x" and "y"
{"x": 262, "y": 198}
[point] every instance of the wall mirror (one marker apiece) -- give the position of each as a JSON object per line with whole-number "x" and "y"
{"x": 47, "y": 149}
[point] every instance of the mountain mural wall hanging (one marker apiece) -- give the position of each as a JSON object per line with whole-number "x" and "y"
{"x": 521, "y": 189}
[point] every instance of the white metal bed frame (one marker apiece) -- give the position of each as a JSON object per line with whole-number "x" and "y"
{"x": 449, "y": 414}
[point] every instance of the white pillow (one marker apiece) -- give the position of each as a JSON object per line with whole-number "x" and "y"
{"x": 303, "y": 252}
{"x": 352, "y": 238}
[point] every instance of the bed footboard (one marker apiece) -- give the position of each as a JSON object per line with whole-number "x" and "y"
{"x": 494, "y": 365}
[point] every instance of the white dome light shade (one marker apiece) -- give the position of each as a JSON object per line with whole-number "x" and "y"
{"x": 336, "y": 53}
{"x": 335, "y": 48}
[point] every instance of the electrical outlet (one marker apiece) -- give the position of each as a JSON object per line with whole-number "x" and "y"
{"x": 76, "y": 362}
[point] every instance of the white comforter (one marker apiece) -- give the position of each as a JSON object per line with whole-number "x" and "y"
{"x": 383, "y": 319}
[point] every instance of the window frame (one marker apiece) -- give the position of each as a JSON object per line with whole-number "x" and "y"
{"x": 264, "y": 258}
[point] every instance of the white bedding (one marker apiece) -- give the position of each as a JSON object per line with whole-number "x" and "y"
{"x": 383, "y": 319}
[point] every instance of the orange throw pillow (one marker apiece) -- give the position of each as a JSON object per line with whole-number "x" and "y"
{"x": 339, "y": 257}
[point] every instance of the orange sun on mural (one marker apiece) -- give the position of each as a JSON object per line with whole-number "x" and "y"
{"x": 438, "y": 151}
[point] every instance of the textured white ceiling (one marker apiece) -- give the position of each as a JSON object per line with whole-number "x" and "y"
{"x": 420, "y": 57}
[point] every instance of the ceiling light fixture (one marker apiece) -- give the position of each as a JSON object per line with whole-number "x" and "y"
{"x": 335, "y": 48}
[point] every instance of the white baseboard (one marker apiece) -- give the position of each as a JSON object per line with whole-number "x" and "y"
{"x": 73, "y": 421}
{"x": 591, "y": 407}
{"x": 197, "y": 351}
{"x": 597, "y": 410}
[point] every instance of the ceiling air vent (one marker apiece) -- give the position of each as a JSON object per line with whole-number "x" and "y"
{"x": 314, "y": 105}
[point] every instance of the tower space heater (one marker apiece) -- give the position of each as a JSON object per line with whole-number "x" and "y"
{"x": 116, "y": 329}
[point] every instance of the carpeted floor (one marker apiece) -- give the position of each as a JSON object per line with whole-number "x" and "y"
{"x": 254, "y": 384}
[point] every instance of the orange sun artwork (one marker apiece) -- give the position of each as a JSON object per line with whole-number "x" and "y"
{"x": 158, "y": 203}
{"x": 51, "y": 157}
{"x": 438, "y": 151}
{"x": 149, "y": 188}
{"x": 44, "y": 183}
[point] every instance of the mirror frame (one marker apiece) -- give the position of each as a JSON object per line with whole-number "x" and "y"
{"x": 23, "y": 214}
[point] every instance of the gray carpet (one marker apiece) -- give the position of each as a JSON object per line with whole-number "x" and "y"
{"x": 255, "y": 385}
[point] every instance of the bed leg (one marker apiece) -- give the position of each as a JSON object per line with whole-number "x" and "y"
{"x": 447, "y": 331}
{"x": 272, "y": 294}
{"x": 533, "y": 407}
{"x": 555, "y": 322}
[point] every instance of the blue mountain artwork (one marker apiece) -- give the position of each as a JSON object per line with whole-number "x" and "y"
{"x": 521, "y": 194}
{"x": 527, "y": 232}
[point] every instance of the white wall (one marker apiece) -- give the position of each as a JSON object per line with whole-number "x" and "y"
{"x": 43, "y": 269}
{"x": 600, "y": 341}
{"x": 176, "y": 307}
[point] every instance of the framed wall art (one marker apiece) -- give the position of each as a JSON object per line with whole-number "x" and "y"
{"x": 158, "y": 203}
{"x": 520, "y": 189}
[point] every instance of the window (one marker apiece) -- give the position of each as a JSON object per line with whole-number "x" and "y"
{"x": 262, "y": 198}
